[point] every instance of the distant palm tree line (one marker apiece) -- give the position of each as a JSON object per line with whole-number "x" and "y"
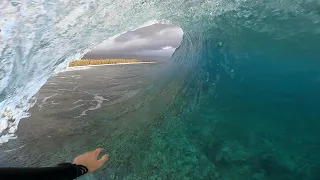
{"x": 88, "y": 62}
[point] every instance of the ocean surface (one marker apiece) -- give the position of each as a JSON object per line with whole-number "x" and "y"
{"x": 235, "y": 134}
{"x": 79, "y": 110}
{"x": 238, "y": 100}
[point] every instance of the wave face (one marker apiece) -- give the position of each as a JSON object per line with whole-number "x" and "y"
{"x": 247, "y": 102}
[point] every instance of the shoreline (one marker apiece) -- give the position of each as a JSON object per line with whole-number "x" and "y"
{"x": 74, "y": 68}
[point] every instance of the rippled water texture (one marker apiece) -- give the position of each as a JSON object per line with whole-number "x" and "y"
{"x": 239, "y": 99}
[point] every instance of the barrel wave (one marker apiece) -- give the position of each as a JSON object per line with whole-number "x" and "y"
{"x": 239, "y": 98}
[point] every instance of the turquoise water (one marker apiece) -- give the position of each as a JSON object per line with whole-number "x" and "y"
{"x": 248, "y": 115}
{"x": 223, "y": 115}
{"x": 239, "y": 99}
{"x": 227, "y": 114}
{"x": 235, "y": 113}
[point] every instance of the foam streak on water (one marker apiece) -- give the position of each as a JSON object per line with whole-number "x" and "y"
{"x": 98, "y": 100}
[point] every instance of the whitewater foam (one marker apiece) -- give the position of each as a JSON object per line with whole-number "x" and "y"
{"x": 44, "y": 101}
{"x": 75, "y": 107}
